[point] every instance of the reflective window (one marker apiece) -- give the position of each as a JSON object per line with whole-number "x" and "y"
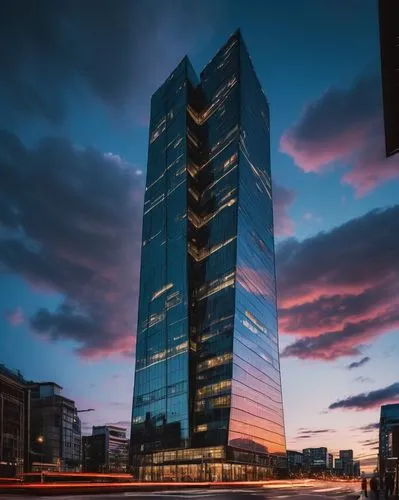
{"x": 207, "y": 362}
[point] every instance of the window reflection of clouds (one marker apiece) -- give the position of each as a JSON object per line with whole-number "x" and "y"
{"x": 207, "y": 353}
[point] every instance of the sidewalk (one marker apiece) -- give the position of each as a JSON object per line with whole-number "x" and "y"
{"x": 379, "y": 496}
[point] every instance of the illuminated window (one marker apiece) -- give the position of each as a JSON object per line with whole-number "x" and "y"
{"x": 153, "y": 320}
{"x": 146, "y": 242}
{"x": 161, "y": 291}
{"x": 191, "y": 137}
{"x": 258, "y": 324}
{"x": 213, "y": 389}
{"x": 217, "y": 101}
{"x": 215, "y": 361}
{"x": 192, "y": 169}
{"x": 168, "y": 167}
{"x": 201, "y": 254}
{"x": 178, "y": 142}
{"x": 215, "y": 286}
{"x": 159, "y": 129}
{"x": 230, "y": 161}
{"x": 201, "y": 428}
{"x": 225, "y": 139}
{"x": 217, "y": 402}
{"x": 221, "y": 402}
{"x": 156, "y": 202}
{"x": 173, "y": 300}
{"x": 198, "y": 221}
{"x": 194, "y": 194}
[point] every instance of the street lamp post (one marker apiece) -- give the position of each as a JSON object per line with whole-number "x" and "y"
{"x": 40, "y": 440}
{"x": 86, "y": 410}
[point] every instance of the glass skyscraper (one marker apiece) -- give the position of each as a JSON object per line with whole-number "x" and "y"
{"x": 389, "y": 418}
{"x": 207, "y": 396}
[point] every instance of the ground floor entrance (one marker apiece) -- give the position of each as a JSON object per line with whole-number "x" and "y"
{"x": 212, "y": 472}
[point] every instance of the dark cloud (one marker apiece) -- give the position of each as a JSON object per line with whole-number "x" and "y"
{"x": 370, "y": 442}
{"x": 282, "y": 200}
{"x": 347, "y": 109}
{"x": 71, "y": 224}
{"x": 121, "y": 51}
{"x": 369, "y": 400}
{"x": 358, "y": 364}
{"x": 340, "y": 289}
{"x": 364, "y": 380}
{"x": 309, "y": 433}
{"x": 344, "y": 125}
{"x": 316, "y": 431}
{"x": 370, "y": 427}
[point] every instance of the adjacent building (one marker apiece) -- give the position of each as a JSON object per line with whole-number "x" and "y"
{"x": 338, "y": 467}
{"x": 389, "y": 44}
{"x": 207, "y": 396}
{"x": 388, "y": 438}
{"x": 346, "y": 457}
{"x": 345, "y": 465}
{"x": 315, "y": 459}
{"x": 14, "y": 423}
{"x": 295, "y": 461}
{"x": 106, "y": 450}
{"x": 55, "y": 429}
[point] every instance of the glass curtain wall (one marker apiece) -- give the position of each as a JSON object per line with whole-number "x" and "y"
{"x": 207, "y": 381}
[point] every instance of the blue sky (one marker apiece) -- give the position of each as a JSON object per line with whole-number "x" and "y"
{"x": 71, "y": 319}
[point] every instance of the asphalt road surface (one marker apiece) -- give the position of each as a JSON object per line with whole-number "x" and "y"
{"x": 298, "y": 491}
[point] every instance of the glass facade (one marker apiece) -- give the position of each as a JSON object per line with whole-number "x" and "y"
{"x": 55, "y": 430}
{"x": 389, "y": 418}
{"x": 207, "y": 396}
{"x": 14, "y": 423}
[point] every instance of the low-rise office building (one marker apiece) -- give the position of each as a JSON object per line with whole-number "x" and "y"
{"x": 346, "y": 457}
{"x": 55, "y": 429}
{"x": 294, "y": 461}
{"x": 338, "y": 468}
{"x": 14, "y": 423}
{"x": 315, "y": 459}
{"x": 106, "y": 450}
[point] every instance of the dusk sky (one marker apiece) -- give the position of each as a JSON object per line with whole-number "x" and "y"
{"x": 75, "y": 87}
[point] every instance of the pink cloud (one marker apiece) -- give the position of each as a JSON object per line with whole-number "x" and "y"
{"x": 370, "y": 166}
{"x": 339, "y": 290}
{"x": 15, "y": 317}
{"x": 123, "y": 346}
{"x": 344, "y": 128}
{"x": 316, "y": 157}
{"x": 282, "y": 200}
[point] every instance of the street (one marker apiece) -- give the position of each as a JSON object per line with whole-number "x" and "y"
{"x": 300, "y": 490}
